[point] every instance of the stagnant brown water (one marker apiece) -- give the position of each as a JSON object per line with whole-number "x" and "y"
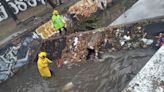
{"x": 111, "y": 75}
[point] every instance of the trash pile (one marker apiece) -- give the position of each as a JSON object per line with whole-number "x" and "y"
{"x": 78, "y": 45}
{"x": 76, "y": 48}
{"x": 129, "y": 37}
{"x": 107, "y": 39}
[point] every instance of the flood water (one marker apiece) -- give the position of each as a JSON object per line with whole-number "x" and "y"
{"x": 110, "y": 75}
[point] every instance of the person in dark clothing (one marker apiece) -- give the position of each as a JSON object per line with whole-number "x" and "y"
{"x": 9, "y": 11}
{"x": 52, "y": 4}
{"x": 60, "y": 2}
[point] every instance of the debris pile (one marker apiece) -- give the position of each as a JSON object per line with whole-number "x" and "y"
{"x": 106, "y": 39}
{"x": 76, "y": 48}
{"x": 128, "y": 38}
{"x": 95, "y": 43}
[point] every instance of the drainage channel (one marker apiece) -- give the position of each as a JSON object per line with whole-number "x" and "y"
{"x": 111, "y": 74}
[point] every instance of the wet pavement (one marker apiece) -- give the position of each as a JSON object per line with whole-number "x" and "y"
{"x": 141, "y": 10}
{"x": 111, "y": 75}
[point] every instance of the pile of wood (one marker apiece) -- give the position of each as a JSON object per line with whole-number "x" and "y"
{"x": 84, "y": 8}
{"x": 87, "y": 7}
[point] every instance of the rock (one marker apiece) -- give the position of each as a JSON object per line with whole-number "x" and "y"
{"x": 113, "y": 49}
{"x": 65, "y": 62}
{"x": 68, "y": 86}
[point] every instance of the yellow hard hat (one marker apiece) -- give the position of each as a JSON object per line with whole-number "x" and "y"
{"x": 42, "y": 54}
{"x": 55, "y": 12}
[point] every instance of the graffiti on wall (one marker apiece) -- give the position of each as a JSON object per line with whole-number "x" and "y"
{"x": 17, "y": 53}
{"x": 47, "y": 30}
{"x": 18, "y": 6}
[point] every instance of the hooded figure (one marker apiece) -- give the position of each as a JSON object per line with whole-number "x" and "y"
{"x": 58, "y": 21}
{"x": 43, "y": 63}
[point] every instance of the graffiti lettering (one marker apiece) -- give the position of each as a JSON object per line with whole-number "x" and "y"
{"x": 21, "y": 5}
{"x": 32, "y": 3}
{"x": 14, "y": 7}
{"x": 3, "y": 13}
{"x": 18, "y": 6}
{"x": 42, "y": 1}
{"x": 46, "y": 30}
{"x": 14, "y": 56}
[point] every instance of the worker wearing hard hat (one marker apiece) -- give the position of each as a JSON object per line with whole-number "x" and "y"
{"x": 58, "y": 21}
{"x": 43, "y": 65}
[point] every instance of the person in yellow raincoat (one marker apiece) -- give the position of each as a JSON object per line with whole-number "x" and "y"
{"x": 43, "y": 65}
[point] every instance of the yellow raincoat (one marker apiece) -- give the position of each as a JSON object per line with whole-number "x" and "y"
{"x": 43, "y": 67}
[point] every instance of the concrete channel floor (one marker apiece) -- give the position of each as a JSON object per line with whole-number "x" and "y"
{"x": 141, "y": 10}
{"x": 111, "y": 75}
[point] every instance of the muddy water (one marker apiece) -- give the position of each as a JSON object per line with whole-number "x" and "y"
{"x": 110, "y": 75}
